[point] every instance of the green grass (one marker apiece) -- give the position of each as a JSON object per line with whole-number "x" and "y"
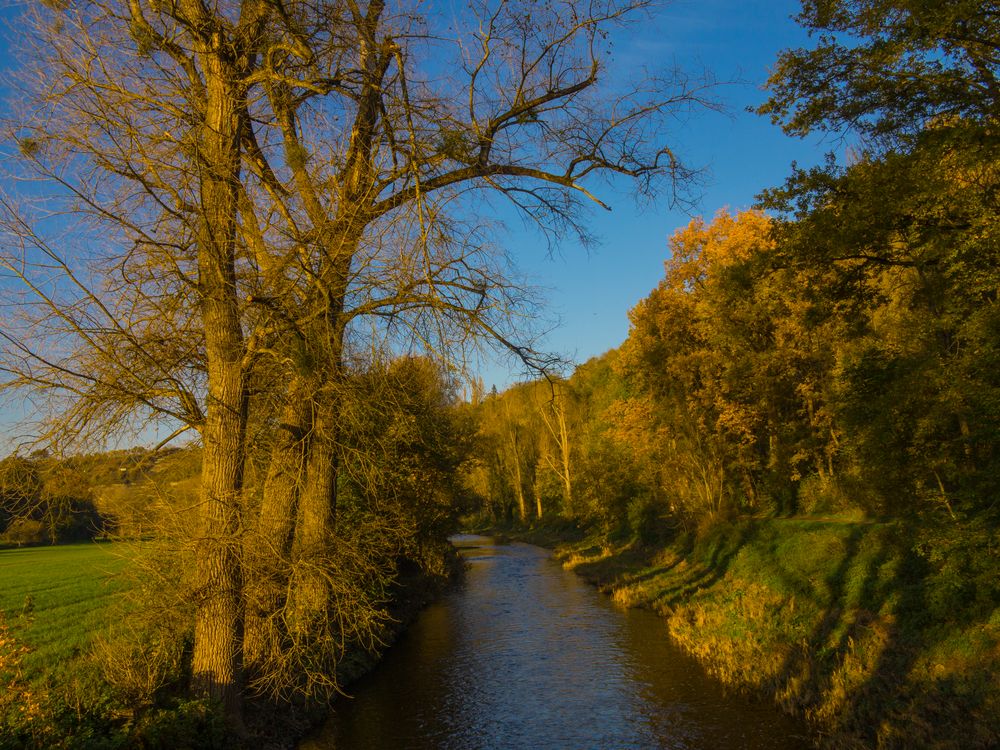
{"x": 57, "y": 598}
{"x": 82, "y": 664}
{"x": 834, "y": 617}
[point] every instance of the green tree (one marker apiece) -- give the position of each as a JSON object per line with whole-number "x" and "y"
{"x": 20, "y": 489}
{"x": 888, "y": 68}
{"x": 908, "y": 239}
{"x": 911, "y": 281}
{"x": 913, "y": 277}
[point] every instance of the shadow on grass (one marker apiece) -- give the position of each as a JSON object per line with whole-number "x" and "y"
{"x": 856, "y": 668}
{"x": 669, "y": 581}
{"x": 866, "y": 637}
{"x": 724, "y": 550}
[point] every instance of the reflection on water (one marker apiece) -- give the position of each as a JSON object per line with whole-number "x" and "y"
{"x": 526, "y": 655}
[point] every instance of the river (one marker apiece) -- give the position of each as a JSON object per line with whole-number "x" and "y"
{"x": 523, "y": 654}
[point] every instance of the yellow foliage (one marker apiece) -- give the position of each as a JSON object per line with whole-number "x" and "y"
{"x": 698, "y": 250}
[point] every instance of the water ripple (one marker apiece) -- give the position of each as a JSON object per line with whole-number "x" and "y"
{"x": 525, "y": 655}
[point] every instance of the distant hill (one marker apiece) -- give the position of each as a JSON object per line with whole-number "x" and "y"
{"x": 124, "y": 493}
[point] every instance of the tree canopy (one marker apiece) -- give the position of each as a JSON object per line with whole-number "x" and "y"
{"x": 886, "y": 69}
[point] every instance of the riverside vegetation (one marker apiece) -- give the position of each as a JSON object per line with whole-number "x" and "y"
{"x": 794, "y": 460}
{"x": 839, "y": 620}
{"x": 793, "y": 456}
{"x": 95, "y": 634}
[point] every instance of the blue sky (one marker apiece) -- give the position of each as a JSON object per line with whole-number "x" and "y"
{"x": 743, "y": 153}
{"x": 591, "y": 292}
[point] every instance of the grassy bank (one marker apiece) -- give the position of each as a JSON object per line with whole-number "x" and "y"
{"x": 839, "y": 620}
{"x": 92, "y": 657}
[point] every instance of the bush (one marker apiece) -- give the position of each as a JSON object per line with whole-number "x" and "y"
{"x": 187, "y": 724}
{"x": 643, "y": 516}
{"x": 136, "y": 664}
{"x": 820, "y": 496}
{"x": 963, "y": 558}
{"x": 25, "y": 531}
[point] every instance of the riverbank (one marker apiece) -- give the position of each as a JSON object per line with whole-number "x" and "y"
{"x": 282, "y": 726}
{"x": 837, "y": 619}
{"x": 81, "y": 667}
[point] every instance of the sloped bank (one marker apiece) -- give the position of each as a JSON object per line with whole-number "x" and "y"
{"x": 839, "y": 620}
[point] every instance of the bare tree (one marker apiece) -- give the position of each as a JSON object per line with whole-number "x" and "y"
{"x": 558, "y": 457}
{"x": 264, "y": 191}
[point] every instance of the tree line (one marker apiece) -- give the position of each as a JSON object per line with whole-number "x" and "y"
{"x": 833, "y": 351}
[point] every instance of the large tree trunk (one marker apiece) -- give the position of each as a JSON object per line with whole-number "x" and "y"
{"x": 216, "y": 669}
{"x": 317, "y": 507}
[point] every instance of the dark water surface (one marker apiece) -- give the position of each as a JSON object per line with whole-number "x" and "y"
{"x": 526, "y": 655}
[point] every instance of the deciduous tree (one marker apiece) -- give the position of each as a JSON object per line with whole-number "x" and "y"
{"x": 886, "y": 69}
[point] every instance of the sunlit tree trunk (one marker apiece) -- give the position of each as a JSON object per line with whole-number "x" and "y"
{"x": 513, "y": 456}
{"x": 522, "y": 504}
{"x": 558, "y": 429}
{"x": 217, "y": 631}
{"x": 538, "y": 502}
{"x": 564, "y": 452}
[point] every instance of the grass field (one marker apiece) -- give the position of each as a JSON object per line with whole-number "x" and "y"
{"x": 56, "y": 599}
{"x": 83, "y": 660}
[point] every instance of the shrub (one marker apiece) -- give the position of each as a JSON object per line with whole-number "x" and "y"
{"x": 25, "y": 531}
{"x": 643, "y": 515}
{"x": 962, "y": 557}
{"x": 137, "y": 662}
{"x": 821, "y": 496}
{"x": 190, "y": 724}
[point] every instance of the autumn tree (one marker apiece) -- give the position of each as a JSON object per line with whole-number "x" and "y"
{"x": 605, "y": 476}
{"x": 553, "y": 404}
{"x": 507, "y": 446}
{"x": 266, "y": 190}
{"x": 20, "y": 490}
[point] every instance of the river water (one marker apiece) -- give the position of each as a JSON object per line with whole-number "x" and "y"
{"x": 523, "y": 654}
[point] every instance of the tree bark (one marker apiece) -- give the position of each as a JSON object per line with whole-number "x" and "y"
{"x": 317, "y": 508}
{"x": 216, "y": 668}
